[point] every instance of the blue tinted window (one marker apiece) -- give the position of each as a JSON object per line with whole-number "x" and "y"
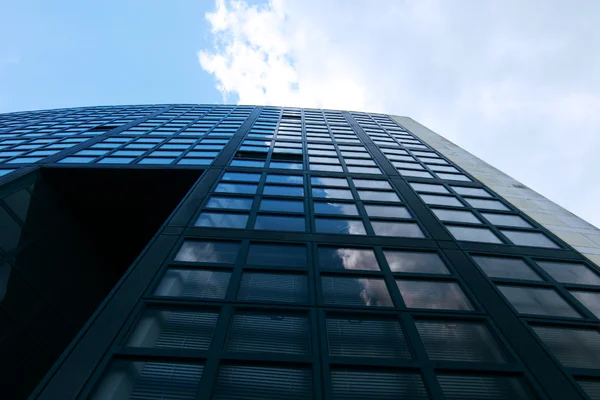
{"x": 236, "y": 188}
{"x": 290, "y": 179}
{"x": 335, "y": 208}
{"x": 282, "y": 205}
{"x": 283, "y": 190}
{"x": 222, "y": 220}
{"x": 229, "y": 203}
{"x": 340, "y": 226}
{"x": 329, "y": 193}
{"x": 240, "y": 176}
{"x": 279, "y": 223}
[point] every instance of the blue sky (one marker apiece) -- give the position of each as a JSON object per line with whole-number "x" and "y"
{"x": 515, "y": 83}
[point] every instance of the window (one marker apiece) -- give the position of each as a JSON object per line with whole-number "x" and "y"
{"x": 279, "y": 223}
{"x": 222, "y": 220}
{"x": 506, "y": 220}
{"x": 376, "y": 385}
{"x": 387, "y": 211}
{"x": 432, "y": 199}
{"x": 283, "y": 190}
{"x": 400, "y": 229}
{"x": 366, "y": 337}
{"x": 537, "y": 301}
{"x": 338, "y": 258}
{"x": 473, "y": 234}
{"x": 501, "y": 267}
{"x": 335, "y": 208}
{"x": 573, "y": 347}
{"x": 193, "y": 283}
{"x": 460, "y": 341}
{"x": 378, "y": 195}
{"x": 455, "y": 216}
{"x": 486, "y": 204}
{"x": 467, "y": 191}
{"x": 287, "y": 255}
{"x": 426, "y": 187}
{"x": 260, "y": 383}
{"x": 340, "y": 226}
{"x": 207, "y": 252}
{"x": 416, "y": 262}
{"x": 340, "y": 182}
{"x": 282, "y": 205}
{"x": 570, "y": 272}
{"x": 266, "y": 287}
{"x": 269, "y": 332}
{"x": 349, "y": 291}
{"x": 174, "y": 329}
{"x": 476, "y": 387}
{"x": 236, "y": 188}
{"x": 433, "y": 295}
{"x": 177, "y": 380}
{"x": 371, "y": 184}
{"x": 287, "y": 179}
{"x": 589, "y": 299}
{"x": 529, "y": 239}
{"x": 329, "y": 193}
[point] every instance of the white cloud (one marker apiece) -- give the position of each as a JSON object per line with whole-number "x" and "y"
{"x": 515, "y": 83}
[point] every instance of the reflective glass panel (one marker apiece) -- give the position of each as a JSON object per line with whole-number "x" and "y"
{"x": 486, "y": 204}
{"x": 589, "y": 299}
{"x": 329, "y": 193}
{"x": 387, "y": 211}
{"x": 287, "y": 255}
{"x": 433, "y": 295}
{"x": 400, "y": 229}
{"x": 467, "y": 191}
{"x": 323, "y": 181}
{"x": 529, "y": 239}
{"x": 208, "y": 252}
{"x": 500, "y": 267}
{"x": 378, "y": 196}
{"x": 371, "y": 184}
{"x": 289, "y": 179}
{"x": 265, "y": 287}
{"x": 231, "y": 203}
{"x": 426, "y": 187}
{"x": 236, "y": 188}
{"x": 473, "y": 234}
{"x": 222, "y": 220}
{"x": 347, "y": 259}
{"x": 355, "y": 291}
{"x": 565, "y": 272}
{"x": 573, "y": 347}
{"x": 455, "y": 215}
{"x": 477, "y": 387}
{"x": 506, "y": 220}
{"x": 537, "y": 301}
{"x": 335, "y": 208}
{"x": 279, "y": 223}
{"x": 418, "y": 262}
{"x": 283, "y": 190}
{"x": 351, "y": 384}
{"x": 193, "y": 283}
{"x": 441, "y": 200}
{"x": 340, "y": 226}
{"x": 282, "y": 205}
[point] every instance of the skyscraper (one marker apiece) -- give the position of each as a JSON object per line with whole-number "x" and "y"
{"x": 208, "y": 251}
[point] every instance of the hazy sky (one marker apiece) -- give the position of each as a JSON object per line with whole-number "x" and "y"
{"x": 517, "y": 83}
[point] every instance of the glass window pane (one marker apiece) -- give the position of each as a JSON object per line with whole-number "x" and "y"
{"x": 426, "y": 187}
{"x": 418, "y": 262}
{"x": 340, "y": 226}
{"x": 329, "y": 193}
{"x": 433, "y": 199}
{"x": 222, "y": 220}
{"x": 467, "y": 191}
{"x": 209, "y": 252}
{"x": 506, "y": 220}
{"x": 269, "y": 332}
{"x": 284, "y": 190}
{"x": 229, "y": 203}
{"x": 347, "y": 259}
{"x": 193, "y": 283}
{"x": 473, "y": 234}
{"x": 400, "y": 229}
{"x": 433, "y": 295}
{"x": 486, "y": 204}
{"x": 127, "y": 379}
{"x": 371, "y": 184}
{"x": 284, "y": 165}
{"x": 460, "y": 341}
{"x": 574, "y": 347}
{"x": 264, "y": 287}
{"x": 512, "y": 268}
{"x": 570, "y": 272}
{"x": 287, "y": 255}
{"x": 289, "y": 179}
{"x": 236, "y": 188}
{"x": 591, "y": 387}
{"x": 263, "y": 383}
{"x": 455, "y": 215}
{"x": 282, "y": 205}
{"x": 355, "y": 291}
{"x": 174, "y": 329}
{"x": 322, "y": 181}
{"x": 325, "y": 167}
{"x": 529, "y": 239}
{"x": 335, "y": 208}
{"x": 453, "y": 177}
{"x": 589, "y": 299}
{"x": 387, "y": 211}
{"x": 366, "y": 337}
{"x": 348, "y": 384}
{"x": 279, "y": 223}
{"x": 537, "y": 301}
{"x": 378, "y": 195}
{"x": 477, "y": 387}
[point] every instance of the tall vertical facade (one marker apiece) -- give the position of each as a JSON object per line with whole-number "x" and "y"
{"x": 241, "y": 252}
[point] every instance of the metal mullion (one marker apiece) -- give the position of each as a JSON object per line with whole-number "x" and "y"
{"x": 418, "y": 349}
{"x": 215, "y": 352}
{"x": 236, "y": 273}
{"x": 362, "y": 212}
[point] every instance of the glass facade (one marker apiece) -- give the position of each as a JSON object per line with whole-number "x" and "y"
{"x": 320, "y": 254}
